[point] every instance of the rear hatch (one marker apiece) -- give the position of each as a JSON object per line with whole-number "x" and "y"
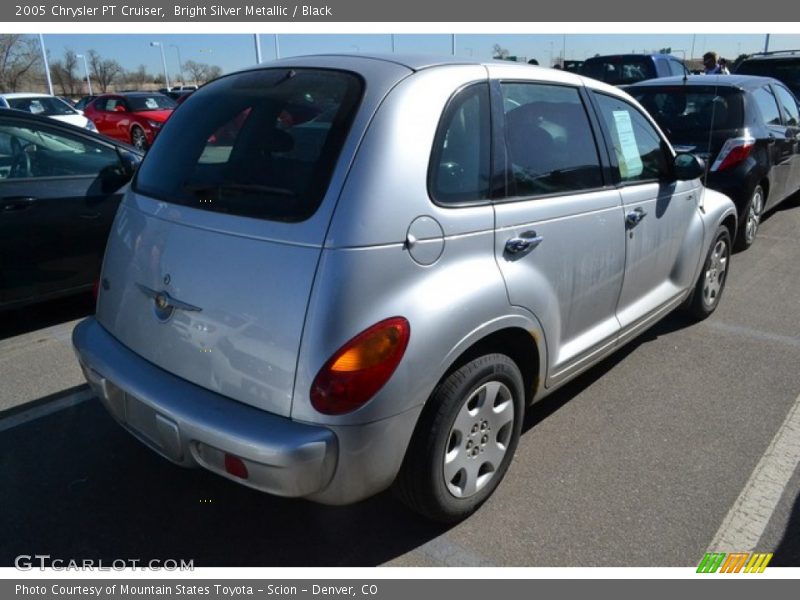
{"x": 696, "y": 118}
{"x": 212, "y": 256}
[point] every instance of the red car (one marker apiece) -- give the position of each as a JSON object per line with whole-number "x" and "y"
{"x": 133, "y": 117}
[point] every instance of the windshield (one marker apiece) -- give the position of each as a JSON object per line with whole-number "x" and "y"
{"x": 47, "y": 106}
{"x": 684, "y": 112}
{"x": 619, "y": 70}
{"x": 259, "y": 144}
{"x": 154, "y": 102}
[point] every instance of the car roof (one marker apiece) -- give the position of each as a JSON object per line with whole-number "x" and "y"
{"x": 776, "y": 55}
{"x": 13, "y": 95}
{"x": 630, "y": 55}
{"x": 734, "y": 81}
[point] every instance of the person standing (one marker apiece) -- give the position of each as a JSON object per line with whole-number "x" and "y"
{"x": 714, "y": 65}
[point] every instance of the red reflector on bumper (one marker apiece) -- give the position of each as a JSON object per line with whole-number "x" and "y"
{"x": 235, "y": 466}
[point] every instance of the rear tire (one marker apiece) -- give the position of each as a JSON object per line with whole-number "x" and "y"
{"x": 711, "y": 282}
{"x": 750, "y": 219}
{"x": 464, "y": 441}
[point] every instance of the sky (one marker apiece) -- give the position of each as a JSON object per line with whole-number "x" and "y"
{"x": 234, "y": 51}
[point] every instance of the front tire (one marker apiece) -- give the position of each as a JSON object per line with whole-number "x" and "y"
{"x": 465, "y": 440}
{"x": 750, "y": 219}
{"x": 711, "y": 283}
{"x": 139, "y": 139}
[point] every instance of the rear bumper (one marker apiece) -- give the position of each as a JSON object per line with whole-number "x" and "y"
{"x": 193, "y": 426}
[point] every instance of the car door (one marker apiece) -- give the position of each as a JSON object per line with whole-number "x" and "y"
{"x": 790, "y": 117}
{"x": 59, "y": 192}
{"x": 559, "y": 238}
{"x": 779, "y": 147}
{"x": 664, "y": 233}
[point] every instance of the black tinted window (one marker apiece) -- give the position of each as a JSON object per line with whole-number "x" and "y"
{"x": 551, "y": 148}
{"x": 686, "y": 111}
{"x": 789, "y": 105}
{"x": 638, "y": 146}
{"x": 767, "y": 105}
{"x": 151, "y": 102}
{"x": 259, "y": 144}
{"x": 786, "y": 70}
{"x": 48, "y": 106}
{"x": 618, "y": 70}
{"x": 460, "y": 167}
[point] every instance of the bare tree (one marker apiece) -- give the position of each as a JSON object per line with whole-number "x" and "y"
{"x": 499, "y": 52}
{"x": 19, "y": 58}
{"x": 201, "y": 72}
{"x": 65, "y": 74}
{"x": 105, "y": 71}
{"x": 138, "y": 78}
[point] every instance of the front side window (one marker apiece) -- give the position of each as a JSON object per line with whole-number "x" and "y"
{"x": 460, "y": 164}
{"x": 767, "y": 105}
{"x": 32, "y": 151}
{"x": 638, "y": 147}
{"x": 551, "y": 148}
{"x": 260, "y": 144}
{"x": 789, "y": 105}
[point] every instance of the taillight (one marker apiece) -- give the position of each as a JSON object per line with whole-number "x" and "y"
{"x": 360, "y": 368}
{"x": 733, "y": 152}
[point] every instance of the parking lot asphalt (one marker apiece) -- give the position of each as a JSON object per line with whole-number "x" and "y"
{"x": 641, "y": 461}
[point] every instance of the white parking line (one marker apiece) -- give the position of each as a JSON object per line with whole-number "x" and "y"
{"x": 748, "y": 517}
{"x": 37, "y": 412}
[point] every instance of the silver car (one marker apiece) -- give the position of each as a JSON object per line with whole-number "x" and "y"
{"x": 333, "y": 274}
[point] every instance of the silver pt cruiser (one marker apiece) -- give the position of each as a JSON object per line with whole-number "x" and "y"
{"x": 337, "y": 273}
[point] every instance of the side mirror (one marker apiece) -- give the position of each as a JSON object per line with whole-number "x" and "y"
{"x": 688, "y": 166}
{"x": 130, "y": 162}
{"x": 120, "y": 108}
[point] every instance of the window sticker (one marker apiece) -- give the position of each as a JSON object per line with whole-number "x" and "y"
{"x": 151, "y": 103}
{"x": 630, "y": 163}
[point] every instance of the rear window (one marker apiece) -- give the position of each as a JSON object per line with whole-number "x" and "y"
{"x": 687, "y": 110}
{"x": 259, "y": 144}
{"x": 619, "y": 70}
{"x": 786, "y": 70}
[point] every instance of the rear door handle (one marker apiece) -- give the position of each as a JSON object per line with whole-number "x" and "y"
{"x": 633, "y": 218}
{"x": 15, "y": 203}
{"x": 523, "y": 242}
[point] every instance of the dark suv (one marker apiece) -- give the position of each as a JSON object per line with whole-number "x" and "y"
{"x": 621, "y": 69}
{"x": 783, "y": 65}
{"x": 746, "y": 128}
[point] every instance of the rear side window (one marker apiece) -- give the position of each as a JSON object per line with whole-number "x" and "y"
{"x": 460, "y": 164}
{"x": 676, "y": 68}
{"x": 767, "y": 105}
{"x": 259, "y": 144}
{"x": 551, "y": 148}
{"x": 789, "y": 105}
{"x": 637, "y": 145}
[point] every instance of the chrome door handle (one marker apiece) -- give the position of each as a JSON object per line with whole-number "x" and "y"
{"x": 524, "y": 241}
{"x": 633, "y": 218}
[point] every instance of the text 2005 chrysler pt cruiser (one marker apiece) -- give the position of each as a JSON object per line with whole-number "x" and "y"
{"x": 334, "y": 273}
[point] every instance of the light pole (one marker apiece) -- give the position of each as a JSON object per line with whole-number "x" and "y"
{"x": 180, "y": 62}
{"x": 257, "y": 41}
{"x": 46, "y": 66}
{"x": 86, "y": 70}
{"x": 277, "y": 47}
{"x": 163, "y": 61}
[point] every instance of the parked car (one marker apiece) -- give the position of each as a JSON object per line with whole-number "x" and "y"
{"x": 47, "y": 106}
{"x": 135, "y": 117}
{"x": 381, "y": 262}
{"x": 180, "y": 95}
{"x": 621, "y": 69}
{"x": 751, "y": 145}
{"x": 59, "y": 190}
{"x": 783, "y": 65}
